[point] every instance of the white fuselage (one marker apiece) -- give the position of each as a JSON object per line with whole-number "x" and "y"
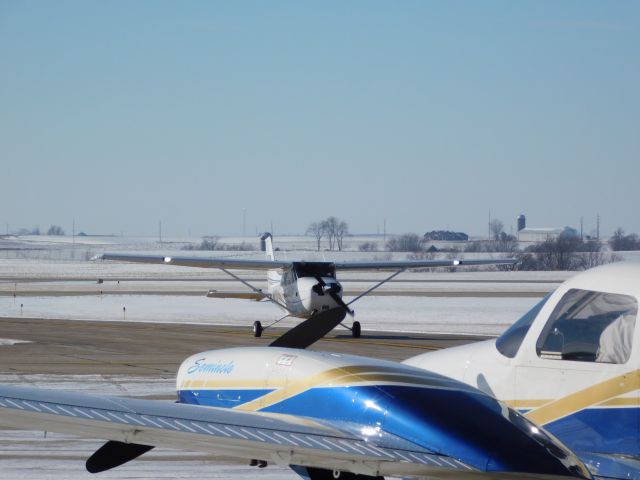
{"x": 305, "y": 296}
{"x": 589, "y": 401}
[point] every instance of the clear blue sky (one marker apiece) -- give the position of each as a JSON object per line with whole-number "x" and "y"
{"x": 426, "y": 114}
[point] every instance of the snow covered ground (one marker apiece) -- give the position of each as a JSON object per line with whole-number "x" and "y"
{"x": 489, "y": 315}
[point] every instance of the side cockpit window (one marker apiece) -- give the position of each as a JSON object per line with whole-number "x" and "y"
{"x": 590, "y": 326}
{"x": 509, "y": 342}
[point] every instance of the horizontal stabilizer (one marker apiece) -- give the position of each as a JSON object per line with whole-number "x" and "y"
{"x": 243, "y": 295}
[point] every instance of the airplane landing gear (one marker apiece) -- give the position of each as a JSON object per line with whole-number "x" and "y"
{"x": 257, "y": 329}
{"x": 355, "y": 329}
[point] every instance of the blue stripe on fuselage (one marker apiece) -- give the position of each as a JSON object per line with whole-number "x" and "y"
{"x": 606, "y": 430}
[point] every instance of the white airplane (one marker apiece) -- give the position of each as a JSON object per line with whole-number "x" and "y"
{"x": 302, "y": 289}
{"x": 555, "y": 396}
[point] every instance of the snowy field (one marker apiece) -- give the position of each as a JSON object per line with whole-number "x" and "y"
{"x": 471, "y": 315}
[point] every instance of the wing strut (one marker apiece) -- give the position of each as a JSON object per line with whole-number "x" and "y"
{"x": 379, "y": 284}
{"x": 256, "y": 290}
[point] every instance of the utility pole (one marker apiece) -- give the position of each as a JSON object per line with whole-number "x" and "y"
{"x": 489, "y": 226}
{"x": 581, "y": 228}
{"x": 598, "y": 227}
{"x": 160, "y": 230}
{"x": 244, "y": 222}
{"x": 384, "y": 232}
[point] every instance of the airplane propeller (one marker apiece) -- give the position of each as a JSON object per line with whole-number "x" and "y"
{"x": 332, "y": 290}
{"x": 311, "y": 330}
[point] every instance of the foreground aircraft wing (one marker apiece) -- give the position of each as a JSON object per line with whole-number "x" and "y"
{"x": 283, "y": 439}
{"x": 134, "y": 426}
{"x": 407, "y": 264}
{"x": 201, "y": 262}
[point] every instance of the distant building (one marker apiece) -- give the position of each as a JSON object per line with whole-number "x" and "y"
{"x": 446, "y": 236}
{"x": 538, "y": 235}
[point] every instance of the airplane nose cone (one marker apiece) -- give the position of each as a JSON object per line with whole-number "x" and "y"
{"x": 480, "y": 431}
{"x": 332, "y": 288}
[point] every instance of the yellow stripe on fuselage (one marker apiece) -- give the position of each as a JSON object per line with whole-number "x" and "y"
{"x": 599, "y": 394}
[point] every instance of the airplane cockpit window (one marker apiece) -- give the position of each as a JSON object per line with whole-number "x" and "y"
{"x": 588, "y": 326}
{"x": 509, "y": 342}
{"x": 315, "y": 269}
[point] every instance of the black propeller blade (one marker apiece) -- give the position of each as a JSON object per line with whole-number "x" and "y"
{"x": 311, "y": 330}
{"x": 333, "y": 290}
{"x": 113, "y": 454}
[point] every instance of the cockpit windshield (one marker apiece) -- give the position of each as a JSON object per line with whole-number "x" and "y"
{"x": 314, "y": 269}
{"x": 509, "y": 342}
{"x": 590, "y": 326}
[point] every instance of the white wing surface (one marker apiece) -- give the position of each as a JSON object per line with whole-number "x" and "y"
{"x": 407, "y": 264}
{"x": 240, "y": 264}
{"x": 200, "y": 262}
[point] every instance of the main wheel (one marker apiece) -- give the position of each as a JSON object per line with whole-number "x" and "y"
{"x": 257, "y": 329}
{"x": 355, "y": 330}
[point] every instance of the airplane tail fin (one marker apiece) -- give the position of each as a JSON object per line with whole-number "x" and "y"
{"x": 273, "y": 276}
{"x": 268, "y": 245}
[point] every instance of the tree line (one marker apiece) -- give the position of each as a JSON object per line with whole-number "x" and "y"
{"x": 332, "y": 229}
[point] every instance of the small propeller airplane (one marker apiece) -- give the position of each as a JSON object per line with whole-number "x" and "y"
{"x": 555, "y": 396}
{"x": 301, "y": 288}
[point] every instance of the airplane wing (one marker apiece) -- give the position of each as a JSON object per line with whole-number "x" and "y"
{"x": 240, "y": 264}
{"x": 283, "y": 439}
{"x": 198, "y": 261}
{"x": 407, "y": 264}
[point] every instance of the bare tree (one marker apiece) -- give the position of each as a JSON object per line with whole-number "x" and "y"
{"x": 331, "y": 228}
{"x": 496, "y": 227}
{"x": 55, "y": 230}
{"x": 407, "y": 242}
{"x": 342, "y": 230}
{"x": 317, "y": 229}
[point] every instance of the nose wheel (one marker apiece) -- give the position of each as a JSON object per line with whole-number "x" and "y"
{"x": 257, "y": 329}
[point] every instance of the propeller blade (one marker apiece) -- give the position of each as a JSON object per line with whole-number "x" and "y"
{"x": 113, "y": 454}
{"x": 311, "y": 330}
{"x": 338, "y": 299}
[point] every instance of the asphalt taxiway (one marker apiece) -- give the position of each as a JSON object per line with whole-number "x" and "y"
{"x": 73, "y": 347}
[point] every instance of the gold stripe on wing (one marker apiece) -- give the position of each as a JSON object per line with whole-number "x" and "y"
{"x": 594, "y": 395}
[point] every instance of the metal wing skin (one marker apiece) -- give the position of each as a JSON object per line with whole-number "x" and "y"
{"x": 225, "y": 263}
{"x": 283, "y": 439}
{"x": 199, "y": 262}
{"x": 407, "y": 264}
